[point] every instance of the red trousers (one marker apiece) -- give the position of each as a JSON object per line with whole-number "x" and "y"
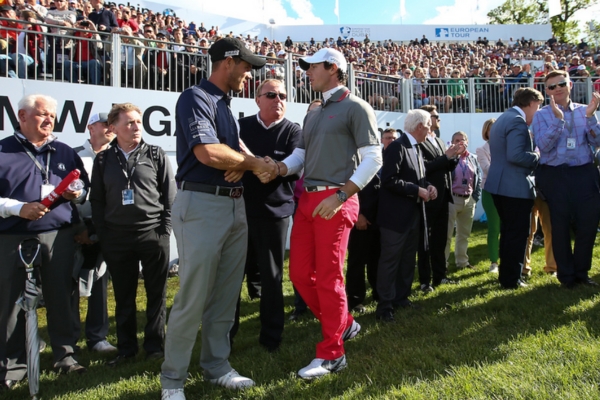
{"x": 317, "y": 254}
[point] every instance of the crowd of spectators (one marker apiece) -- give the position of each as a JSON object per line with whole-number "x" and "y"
{"x": 436, "y": 73}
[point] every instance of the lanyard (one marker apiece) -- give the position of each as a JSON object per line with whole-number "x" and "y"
{"x": 45, "y": 171}
{"x": 464, "y": 166}
{"x": 128, "y": 175}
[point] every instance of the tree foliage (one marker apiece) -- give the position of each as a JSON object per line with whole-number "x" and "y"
{"x": 515, "y": 12}
{"x": 564, "y": 27}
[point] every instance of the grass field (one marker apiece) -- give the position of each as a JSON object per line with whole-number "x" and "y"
{"x": 469, "y": 341}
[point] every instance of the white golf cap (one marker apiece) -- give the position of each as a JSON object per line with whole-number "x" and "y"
{"x": 325, "y": 55}
{"x": 99, "y": 117}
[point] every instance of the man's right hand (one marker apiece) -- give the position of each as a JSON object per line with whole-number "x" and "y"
{"x": 267, "y": 170}
{"x": 362, "y": 223}
{"x": 33, "y": 211}
{"x": 424, "y": 194}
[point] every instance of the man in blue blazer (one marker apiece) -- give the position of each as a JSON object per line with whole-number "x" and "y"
{"x": 510, "y": 181}
{"x": 400, "y": 216}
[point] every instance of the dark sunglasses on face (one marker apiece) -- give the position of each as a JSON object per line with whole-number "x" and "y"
{"x": 560, "y": 84}
{"x": 436, "y": 117}
{"x": 272, "y": 95}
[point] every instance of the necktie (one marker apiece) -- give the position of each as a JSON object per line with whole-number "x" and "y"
{"x": 422, "y": 181}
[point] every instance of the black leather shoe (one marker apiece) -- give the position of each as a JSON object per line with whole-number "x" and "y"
{"x": 120, "y": 359}
{"x": 588, "y": 282}
{"x": 359, "y": 309}
{"x": 70, "y": 369}
{"x": 385, "y": 317}
{"x": 157, "y": 355}
{"x": 568, "y": 285}
{"x": 407, "y": 304}
{"x": 444, "y": 281}
{"x": 426, "y": 288}
{"x": 517, "y": 285}
{"x": 295, "y": 315}
{"x": 68, "y": 365}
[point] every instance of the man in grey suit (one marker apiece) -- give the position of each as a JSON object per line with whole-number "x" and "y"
{"x": 510, "y": 181}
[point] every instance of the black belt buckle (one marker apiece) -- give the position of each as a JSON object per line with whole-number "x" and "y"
{"x": 236, "y": 193}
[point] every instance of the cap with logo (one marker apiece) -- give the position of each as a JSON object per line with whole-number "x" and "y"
{"x": 231, "y": 47}
{"x": 5, "y": 5}
{"x": 99, "y": 117}
{"x": 325, "y": 55}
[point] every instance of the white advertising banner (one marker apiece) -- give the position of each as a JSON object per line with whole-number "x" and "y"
{"x": 441, "y": 33}
{"x": 76, "y": 103}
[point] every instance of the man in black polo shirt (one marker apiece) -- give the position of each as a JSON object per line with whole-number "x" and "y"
{"x": 209, "y": 221}
{"x": 131, "y": 197}
{"x": 268, "y": 207}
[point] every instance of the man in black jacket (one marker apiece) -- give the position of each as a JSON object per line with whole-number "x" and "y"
{"x": 439, "y": 162}
{"x": 104, "y": 19}
{"x": 401, "y": 196}
{"x": 268, "y": 206}
{"x": 131, "y": 198}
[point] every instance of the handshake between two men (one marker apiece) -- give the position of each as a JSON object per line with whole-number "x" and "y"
{"x": 266, "y": 169}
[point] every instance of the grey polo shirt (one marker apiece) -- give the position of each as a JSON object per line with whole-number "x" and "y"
{"x": 332, "y": 135}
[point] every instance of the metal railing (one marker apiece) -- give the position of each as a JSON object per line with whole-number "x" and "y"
{"x": 84, "y": 56}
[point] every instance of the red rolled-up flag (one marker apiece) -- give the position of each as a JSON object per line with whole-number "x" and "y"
{"x": 61, "y": 188}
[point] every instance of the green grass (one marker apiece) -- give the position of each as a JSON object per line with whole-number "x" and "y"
{"x": 469, "y": 341}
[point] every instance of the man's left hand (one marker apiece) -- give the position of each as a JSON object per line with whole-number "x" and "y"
{"x": 233, "y": 176}
{"x": 71, "y": 195}
{"x": 328, "y": 207}
{"x": 432, "y": 192}
{"x": 593, "y": 106}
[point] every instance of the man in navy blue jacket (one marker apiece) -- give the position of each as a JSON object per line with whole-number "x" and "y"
{"x": 104, "y": 19}
{"x": 33, "y": 163}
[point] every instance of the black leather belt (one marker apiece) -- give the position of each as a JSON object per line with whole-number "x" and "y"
{"x": 320, "y": 188}
{"x": 233, "y": 192}
{"x": 466, "y": 196}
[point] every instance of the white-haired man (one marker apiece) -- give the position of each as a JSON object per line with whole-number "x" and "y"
{"x": 400, "y": 218}
{"x": 32, "y": 164}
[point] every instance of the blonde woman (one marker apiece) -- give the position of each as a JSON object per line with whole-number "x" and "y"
{"x": 493, "y": 220}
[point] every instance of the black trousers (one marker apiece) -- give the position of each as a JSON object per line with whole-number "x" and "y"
{"x": 266, "y": 250}
{"x": 433, "y": 261}
{"x": 573, "y": 196}
{"x": 396, "y": 270}
{"x": 123, "y": 251}
{"x": 96, "y": 319}
{"x": 363, "y": 251}
{"x": 57, "y": 250}
{"x": 515, "y": 220}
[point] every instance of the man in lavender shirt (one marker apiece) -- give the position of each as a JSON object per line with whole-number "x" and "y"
{"x": 565, "y": 133}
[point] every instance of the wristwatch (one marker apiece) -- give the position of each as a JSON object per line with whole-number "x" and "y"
{"x": 341, "y": 196}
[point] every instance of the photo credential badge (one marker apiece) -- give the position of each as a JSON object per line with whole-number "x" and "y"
{"x": 127, "y": 197}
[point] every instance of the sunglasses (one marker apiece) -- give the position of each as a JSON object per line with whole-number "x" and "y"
{"x": 272, "y": 95}
{"x": 436, "y": 117}
{"x": 559, "y": 84}
{"x": 149, "y": 31}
